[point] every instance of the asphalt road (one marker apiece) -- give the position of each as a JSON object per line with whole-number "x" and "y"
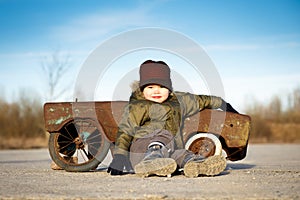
{"x": 268, "y": 172}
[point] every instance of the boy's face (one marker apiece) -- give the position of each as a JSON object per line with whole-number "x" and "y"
{"x": 156, "y": 93}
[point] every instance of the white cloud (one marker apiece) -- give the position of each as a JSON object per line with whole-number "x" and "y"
{"x": 91, "y": 26}
{"x": 240, "y": 47}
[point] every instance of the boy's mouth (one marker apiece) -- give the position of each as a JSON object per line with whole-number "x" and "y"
{"x": 156, "y": 97}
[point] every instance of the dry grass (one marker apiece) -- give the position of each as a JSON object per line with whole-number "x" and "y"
{"x": 272, "y": 122}
{"x": 25, "y": 143}
{"x": 22, "y": 122}
{"x": 287, "y": 132}
{"x": 275, "y": 133}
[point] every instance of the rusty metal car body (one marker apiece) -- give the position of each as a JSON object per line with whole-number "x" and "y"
{"x": 89, "y": 129}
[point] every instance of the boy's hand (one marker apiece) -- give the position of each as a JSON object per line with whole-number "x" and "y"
{"x": 227, "y": 107}
{"x": 117, "y": 165}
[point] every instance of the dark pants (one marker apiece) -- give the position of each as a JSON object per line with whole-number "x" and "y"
{"x": 139, "y": 147}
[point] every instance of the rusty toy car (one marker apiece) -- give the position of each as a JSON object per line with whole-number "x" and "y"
{"x": 87, "y": 130}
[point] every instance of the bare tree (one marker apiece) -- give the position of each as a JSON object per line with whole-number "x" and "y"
{"x": 55, "y": 69}
{"x": 296, "y": 99}
{"x": 274, "y": 109}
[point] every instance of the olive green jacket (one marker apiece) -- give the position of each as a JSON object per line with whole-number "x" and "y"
{"x": 142, "y": 117}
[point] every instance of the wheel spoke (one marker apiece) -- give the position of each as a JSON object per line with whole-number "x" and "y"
{"x": 92, "y": 147}
{"x": 83, "y": 156}
{"x": 63, "y": 135}
{"x": 63, "y": 147}
{"x": 71, "y": 137}
{"x": 92, "y": 135}
{"x": 85, "y": 152}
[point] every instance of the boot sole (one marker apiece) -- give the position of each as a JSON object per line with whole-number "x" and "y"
{"x": 211, "y": 166}
{"x": 158, "y": 166}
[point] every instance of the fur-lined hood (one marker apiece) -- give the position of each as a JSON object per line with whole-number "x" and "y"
{"x": 136, "y": 94}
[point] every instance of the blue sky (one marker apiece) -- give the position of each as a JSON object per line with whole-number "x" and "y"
{"x": 255, "y": 45}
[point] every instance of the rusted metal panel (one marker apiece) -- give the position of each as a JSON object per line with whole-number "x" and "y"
{"x": 233, "y": 128}
{"x": 107, "y": 114}
{"x": 56, "y": 115}
{"x": 236, "y": 130}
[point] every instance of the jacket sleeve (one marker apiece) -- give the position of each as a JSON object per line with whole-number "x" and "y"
{"x": 131, "y": 120}
{"x": 191, "y": 103}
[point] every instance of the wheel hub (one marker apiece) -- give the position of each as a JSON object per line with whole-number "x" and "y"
{"x": 79, "y": 143}
{"x": 203, "y": 146}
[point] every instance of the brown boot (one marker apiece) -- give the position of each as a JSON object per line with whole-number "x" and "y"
{"x": 154, "y": 163}
{"x": 210, "y": 166}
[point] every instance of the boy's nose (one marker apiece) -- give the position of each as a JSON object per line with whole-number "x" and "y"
{"x": 156, "y": 90}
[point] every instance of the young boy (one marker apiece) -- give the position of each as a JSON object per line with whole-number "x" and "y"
{"x": 149, "y": 136}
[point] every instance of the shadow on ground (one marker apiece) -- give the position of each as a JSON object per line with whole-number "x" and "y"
{"x": 239, "y": 166}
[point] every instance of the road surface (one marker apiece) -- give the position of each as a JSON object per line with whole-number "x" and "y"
{"x": 270, "y": 171}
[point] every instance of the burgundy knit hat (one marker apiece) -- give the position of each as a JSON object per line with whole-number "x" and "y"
{"x": 155, "y": 72}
